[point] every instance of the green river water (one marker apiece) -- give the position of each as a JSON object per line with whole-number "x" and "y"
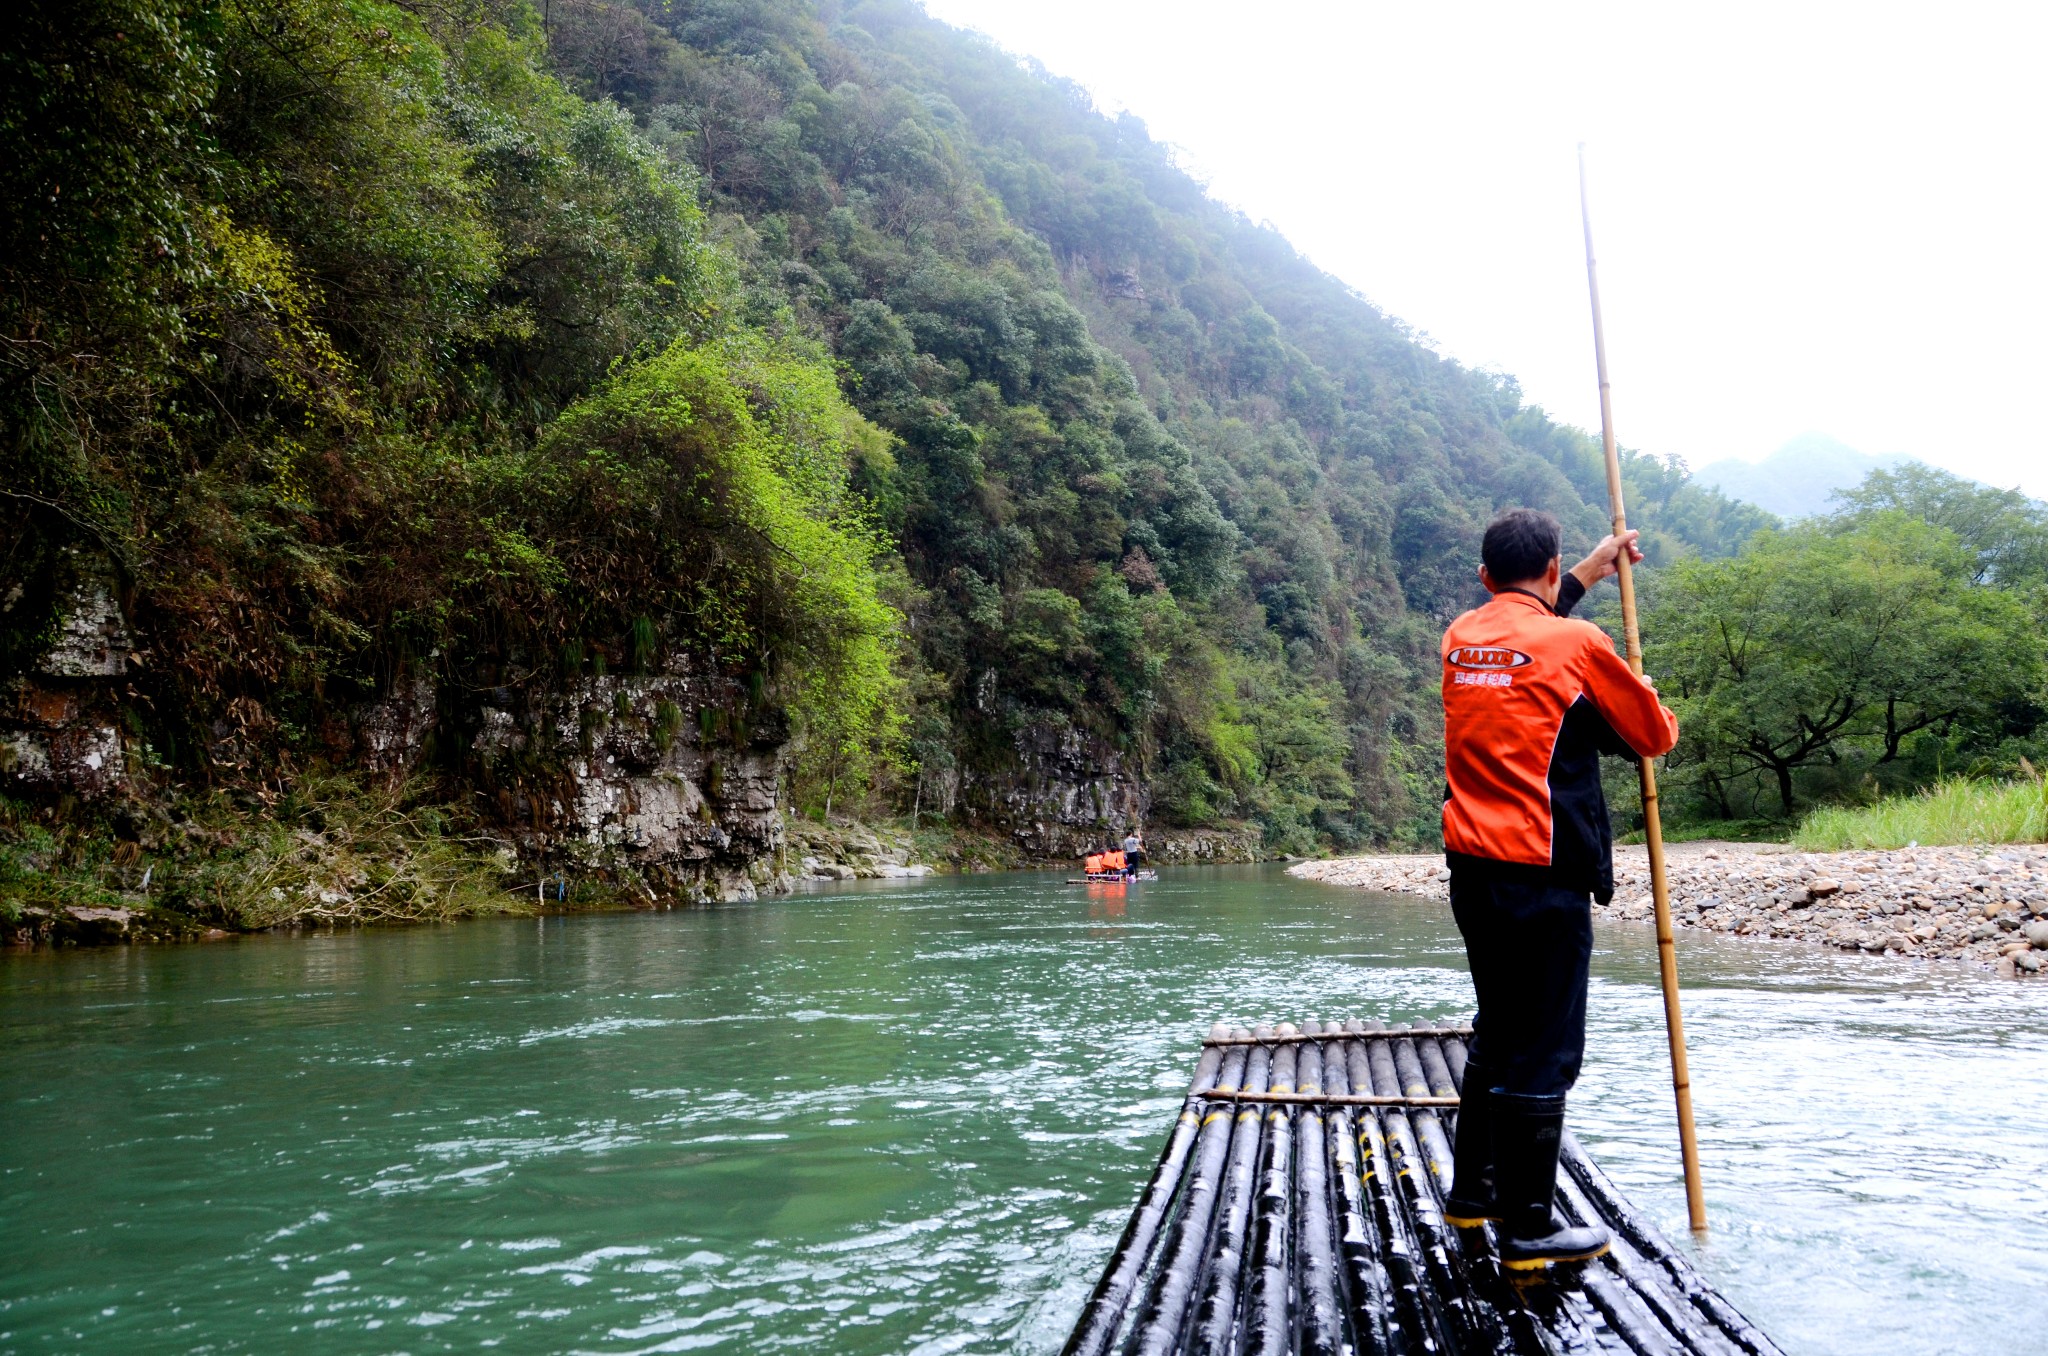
{"x": 911, "y": 1117}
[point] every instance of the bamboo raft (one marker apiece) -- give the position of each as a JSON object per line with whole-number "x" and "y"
{"x": 1297, "y": 1207}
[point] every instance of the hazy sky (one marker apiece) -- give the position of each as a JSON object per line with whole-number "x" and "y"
{"x": 1809, "y": 217}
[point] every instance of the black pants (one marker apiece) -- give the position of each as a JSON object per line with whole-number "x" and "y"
{"x": 1529, "y": 946}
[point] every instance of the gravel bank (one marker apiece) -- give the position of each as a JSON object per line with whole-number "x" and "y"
{"x": 1987, "y": 905}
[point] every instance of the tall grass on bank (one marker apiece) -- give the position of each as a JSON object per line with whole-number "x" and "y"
{"x": 336, "y": 851}
{"x": 1955, "y": 810}
{"x": 328, "y": 851}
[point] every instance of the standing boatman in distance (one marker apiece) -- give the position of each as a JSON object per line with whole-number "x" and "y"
{"x": 1531, "y": 701}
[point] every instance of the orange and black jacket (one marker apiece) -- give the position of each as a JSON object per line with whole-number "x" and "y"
{"x": 1531, "y": 701}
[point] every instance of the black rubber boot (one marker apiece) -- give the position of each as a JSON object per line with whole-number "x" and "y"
{"x": 1527, "y": 1132}
{"x": 1471, "y": 1202}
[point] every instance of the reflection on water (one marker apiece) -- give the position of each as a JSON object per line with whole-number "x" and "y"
{"x": 911, "y": 1116}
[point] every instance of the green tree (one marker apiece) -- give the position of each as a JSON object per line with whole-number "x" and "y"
{"x": 1811, "y": 642}
{"x": 2005, "y": 532}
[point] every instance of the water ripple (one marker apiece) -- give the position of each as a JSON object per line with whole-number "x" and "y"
{"x": 912, "y": 1119}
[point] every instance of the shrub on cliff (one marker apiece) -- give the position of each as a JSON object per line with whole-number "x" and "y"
{"x": 325, "y": 851}
{"x": 708, "y": 486}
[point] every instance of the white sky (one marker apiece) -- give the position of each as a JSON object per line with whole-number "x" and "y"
{"x": 1810, "y": 217}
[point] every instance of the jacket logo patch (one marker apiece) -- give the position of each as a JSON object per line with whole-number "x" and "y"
{"x": 1486, "y": 657}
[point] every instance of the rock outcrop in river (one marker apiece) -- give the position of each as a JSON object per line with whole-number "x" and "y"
{"x": 1983, "y": 904}
{"x": 850, "y": 852}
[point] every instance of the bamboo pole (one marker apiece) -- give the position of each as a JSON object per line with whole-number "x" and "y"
{"x": 1319, "y": 1310}
{"x": 1215, "y": 1324}
{"x": 1331, "y": 1099}
{"x": 1653, "y": 827}
{"x": 1267, "y": 1324}
{"x": 1162, "y": 1318}
{"x": 1095, "y": 1331}
{"x": 1214, "y": 1041}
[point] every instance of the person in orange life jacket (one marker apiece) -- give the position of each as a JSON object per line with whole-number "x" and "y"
{"x": 1531, "y": 701}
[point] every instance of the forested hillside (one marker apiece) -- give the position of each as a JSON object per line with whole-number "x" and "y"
{"x": 359, "y": 351}
{"x": 1157, "y": 476}
{"x": 374, "y": 404}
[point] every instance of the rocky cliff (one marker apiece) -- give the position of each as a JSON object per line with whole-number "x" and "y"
{"x": 668, "y": 780}
{"x": 667, "y": 785}
{"x": 60, "y": 732}
{"x": 666, "y": 777}
{"x": 1067, "y": 793}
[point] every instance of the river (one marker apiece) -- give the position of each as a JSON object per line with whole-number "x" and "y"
{"x": 911, "y": 1116}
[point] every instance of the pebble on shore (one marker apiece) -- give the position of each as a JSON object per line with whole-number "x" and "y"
{"x": 1988, "y": 905}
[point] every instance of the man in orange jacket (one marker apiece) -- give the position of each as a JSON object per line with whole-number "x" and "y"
{"x": 1531, "y": 701}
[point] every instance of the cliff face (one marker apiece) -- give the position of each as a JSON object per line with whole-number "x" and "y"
{"x": 669, "y": 778}
{"x": 60, "y": 731}
{"x": 660, "y": 776}
{"x": 1067, "y": 793}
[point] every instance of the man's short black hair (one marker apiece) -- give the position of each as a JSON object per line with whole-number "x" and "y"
{"x": 1519, "y": 545}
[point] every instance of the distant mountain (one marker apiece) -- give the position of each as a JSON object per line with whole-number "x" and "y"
{"x": 1797, "y": 480}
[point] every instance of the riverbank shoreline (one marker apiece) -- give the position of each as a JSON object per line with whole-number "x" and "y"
{"x": 812, "y": 853}
{"x": 1987, "y": 905}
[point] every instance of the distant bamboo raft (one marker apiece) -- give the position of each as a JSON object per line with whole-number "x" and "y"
{"x": 1298, "y": 1207}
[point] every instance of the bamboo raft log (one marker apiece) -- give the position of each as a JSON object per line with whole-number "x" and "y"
{"x": 1298, "y": 1207}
